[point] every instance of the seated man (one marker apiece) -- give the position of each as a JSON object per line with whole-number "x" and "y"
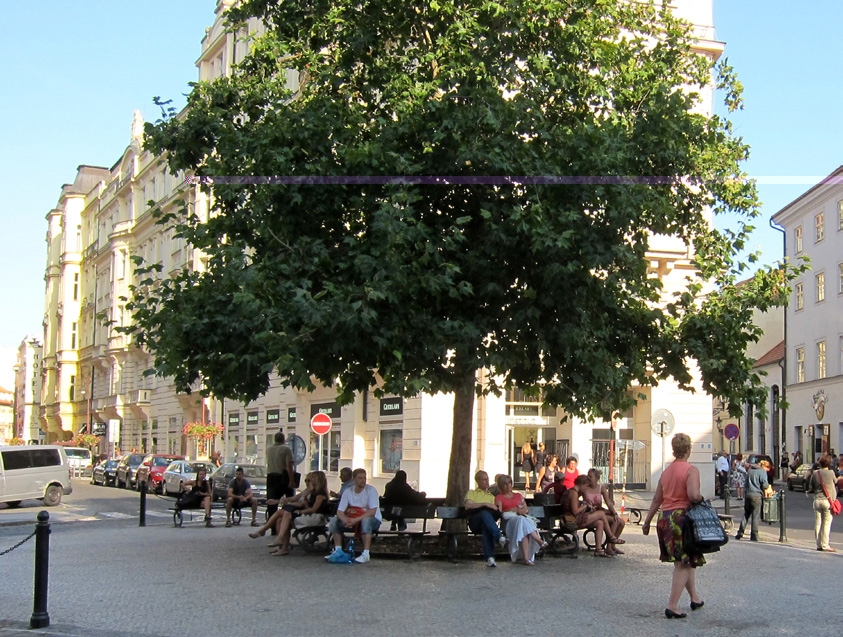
{"x": 240, "y": 495}
{"x": 482, "y": 515}
{"x": 358, "y": 505}
{"x": 346, "y": 482}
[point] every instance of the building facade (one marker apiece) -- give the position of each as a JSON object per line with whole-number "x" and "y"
{"x": 94, "y": 375}
{"x": 28, "y": 391}
{"x": 813, "y": 225}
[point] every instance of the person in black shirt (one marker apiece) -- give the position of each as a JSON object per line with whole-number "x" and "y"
{"x": 398, "y": 493}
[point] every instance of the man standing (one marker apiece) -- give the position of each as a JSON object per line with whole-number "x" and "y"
{"x": 279, "y": 466}
{"x": 240, "y": 495}
{"x": 723, "y": 473}
{"x": 482, "y": 513}
{"x": 358, "y": 505}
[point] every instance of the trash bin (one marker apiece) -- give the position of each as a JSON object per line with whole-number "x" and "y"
{"x": 770, "y": 509}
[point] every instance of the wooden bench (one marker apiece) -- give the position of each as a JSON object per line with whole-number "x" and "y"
{"x": 194, "y": 512}
{"x": 452, "y": 536}
{"x": 560, "y": 539}
{"x": 414, "y": 538}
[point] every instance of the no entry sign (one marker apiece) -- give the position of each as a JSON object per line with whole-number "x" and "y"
{"x": 321, "y": 424}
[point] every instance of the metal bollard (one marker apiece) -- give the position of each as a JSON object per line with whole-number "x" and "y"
{"x": 40, "y": 618}
{"x": 782, "y": 518}
{"x": 727, "y": 492}
{"x": 142, "y": 487}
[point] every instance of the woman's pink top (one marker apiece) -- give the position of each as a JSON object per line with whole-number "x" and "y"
{"x": 674, "y": 483}
{"x": 510, "y": 502}
{"x": 594, "y": 499}
{"x": 570, "y": 476}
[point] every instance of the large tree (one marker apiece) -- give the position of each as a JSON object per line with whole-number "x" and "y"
{"x": 565, "y": 136}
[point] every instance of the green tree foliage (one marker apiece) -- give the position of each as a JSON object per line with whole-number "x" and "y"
{"x": 421, "y": 285}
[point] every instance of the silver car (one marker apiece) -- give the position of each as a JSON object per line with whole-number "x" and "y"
{"x": 254, "y": 473}
{"x": 180, "y": 471}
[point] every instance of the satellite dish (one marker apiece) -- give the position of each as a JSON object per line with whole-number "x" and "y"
{"x": 662, "y": 422}
{"x": 298, "y": 448}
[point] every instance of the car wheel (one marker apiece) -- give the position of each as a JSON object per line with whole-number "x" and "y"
{"x": 13, "y": 504}
{"x": 52, "y": 496}
{"x": 789, "y": 485}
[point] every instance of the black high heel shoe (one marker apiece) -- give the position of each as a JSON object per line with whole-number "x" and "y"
{"x": 671, "y": 615}
{"x": 695, "y": 606}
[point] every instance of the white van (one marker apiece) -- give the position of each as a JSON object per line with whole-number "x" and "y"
{"x": 78, "y": 458}
{"x": 38, "y": 472}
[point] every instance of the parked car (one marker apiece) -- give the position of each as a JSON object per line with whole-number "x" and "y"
{"x": 799, "y": 479}
{"x": 151, "y": 471}
{"x": 180, "y": 472}
{"x": 254, "y": 473}
{"x": 105, "y": 473}
{"x": 78, "y": 458}
{"x": 127, "y": 468}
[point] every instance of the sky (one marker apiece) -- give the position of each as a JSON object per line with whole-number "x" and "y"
{"x": 74, "y": 72}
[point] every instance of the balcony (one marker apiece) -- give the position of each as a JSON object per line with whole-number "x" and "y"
{"x": 104, "y": 403}
{"x": 139, "y": 397}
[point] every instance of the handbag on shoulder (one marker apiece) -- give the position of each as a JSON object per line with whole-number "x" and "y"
{"x": 702, "y": 531}
{"x": 833, "y": 503}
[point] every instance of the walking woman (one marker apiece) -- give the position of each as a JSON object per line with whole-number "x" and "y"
{"x": 547, "y": 474}
{"x": 823, "y": 485}
{"x": 679, "y": 487}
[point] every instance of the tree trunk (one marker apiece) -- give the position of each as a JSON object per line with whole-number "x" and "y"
{"x": 460, "y": 464}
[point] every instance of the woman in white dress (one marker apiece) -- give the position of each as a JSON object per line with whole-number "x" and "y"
{"x": 521, "y": 532}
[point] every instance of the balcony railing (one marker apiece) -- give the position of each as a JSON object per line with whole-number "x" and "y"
{"x": 139, "y": 397}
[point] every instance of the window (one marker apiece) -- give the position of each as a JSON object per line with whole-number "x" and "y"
{"x": 76, "y": 286}
{"x": 819, "y": 226}
{"x": 840, "y": 215}
{"x": 821, "y": 359}
{"x": 840, "y": 361}
{"x": 74, "y": 327}
{"x": 391, "y": 447}
{"x": 800, "y": 296}
{"x": 72, "y": 391}
{"x": 797, "y": 239}
{"x": 800, "y": 364}
{"x": 820, "y": 287}
{"x": 840, "y": 278}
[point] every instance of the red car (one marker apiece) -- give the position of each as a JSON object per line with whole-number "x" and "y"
{"x": 152, "y": 469}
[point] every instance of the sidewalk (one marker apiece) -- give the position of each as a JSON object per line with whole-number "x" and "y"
{"x": 115, "y": 578}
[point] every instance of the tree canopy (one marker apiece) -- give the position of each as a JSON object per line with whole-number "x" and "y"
{"x": 565, "y": 135}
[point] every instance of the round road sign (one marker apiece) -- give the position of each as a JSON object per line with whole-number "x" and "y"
{"x": 321, "y": 424}
{"x": 732, "y": 431}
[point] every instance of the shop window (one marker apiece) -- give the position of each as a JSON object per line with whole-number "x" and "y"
{"x": 390, "y": 447}
{"x": 330, "y": 451}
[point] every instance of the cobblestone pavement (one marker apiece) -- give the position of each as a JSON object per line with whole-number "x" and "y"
{"x": 114, "y": 578}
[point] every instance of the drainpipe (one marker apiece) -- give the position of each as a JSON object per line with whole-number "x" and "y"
{"x": 783, "y": 363}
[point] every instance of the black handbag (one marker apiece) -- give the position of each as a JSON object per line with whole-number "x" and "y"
{"x": 702, "y": 531}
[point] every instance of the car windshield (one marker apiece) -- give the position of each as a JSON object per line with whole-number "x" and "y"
{"x": 110, "y": 464}
{"x": 254, "y": 471}
{"x": 135, "y": 458}
{"x": 194, "y": 468}
{"x": 161, "y": 462}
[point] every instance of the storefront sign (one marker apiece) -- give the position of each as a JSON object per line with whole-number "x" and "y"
{"x": 251, "y": 419}
{"x": 273, "y": 416}
{"x": 332, "y": 409}
{"x": 392, "y": 406}
{"x": 233, "y": 420}
{"x": 291, "y": 414}
{"x": 524, "y": 421}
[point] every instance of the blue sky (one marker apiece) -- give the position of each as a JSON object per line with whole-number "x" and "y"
{"x": 74, "y": 72}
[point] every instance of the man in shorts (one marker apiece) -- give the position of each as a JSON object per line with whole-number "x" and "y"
{"x": 239, "y": 496}
{"x": 358, "y": 505}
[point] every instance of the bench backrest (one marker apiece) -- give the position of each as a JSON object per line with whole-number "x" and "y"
{"x": 423, "y": 512}
{"x": 450, "y": 513}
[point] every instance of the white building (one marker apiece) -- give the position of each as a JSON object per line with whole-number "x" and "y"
{"x": 814, "y": 228}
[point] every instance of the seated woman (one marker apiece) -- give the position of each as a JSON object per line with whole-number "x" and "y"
{"x": 590, "y": 517}
{"x": 597, "y": 494}
{"x": 199, "y": 495}
{"x": 521, "y": 531}
{"x": 398, "y": 493}
{"x": 314, "y": 499}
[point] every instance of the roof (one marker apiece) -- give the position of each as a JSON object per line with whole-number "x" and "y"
{"x": 773, "y": 356}
{"x": 832, "y": 179}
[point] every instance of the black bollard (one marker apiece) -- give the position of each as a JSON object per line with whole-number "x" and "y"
{"x": 142, "y": 487}
{"x": 727, "y": 508}
{"x": 40, "y": 618}
{"x": 782, "y": 518}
